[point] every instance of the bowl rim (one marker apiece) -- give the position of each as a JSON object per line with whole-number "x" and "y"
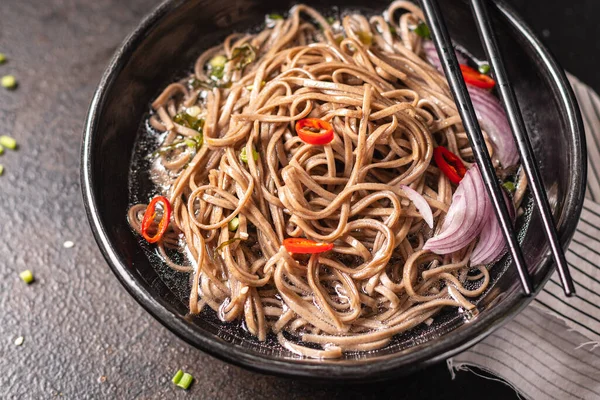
{"x": 358, "y": 370}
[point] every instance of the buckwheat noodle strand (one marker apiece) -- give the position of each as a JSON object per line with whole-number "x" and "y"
{"x": 388, "y": 107}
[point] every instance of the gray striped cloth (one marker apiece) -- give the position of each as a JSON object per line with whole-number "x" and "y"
{"x": 551, "y": 350}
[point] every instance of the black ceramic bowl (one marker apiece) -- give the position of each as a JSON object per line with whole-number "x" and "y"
{"x": 163, "y": 48}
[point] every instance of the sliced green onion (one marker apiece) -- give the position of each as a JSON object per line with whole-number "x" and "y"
{"x": 275, "y": 16}
{"x": 216, "y": 73}
{"x": 509, "y": 186}
{"x": 177, "y": 377}
{"x": 218, "y": 61}
{"x": 330, "y": 20}
{"x": 8, "y": 142}
{"x": 209, "y": 85}
{"x": 392, "y": 29}
{"x": 244, "y": 156}
{"x": 422, "y": 30}
{"x": 26, "y": 276}
{"x": 250, "y": 87}
{"x": 1, "y": 169}
{"x": 189, "y": 122}
{"x": 1, "y": 149}
{"x": 365, "y": 37}
{"x": 227, "y": 243}
{"x": 234, "y": 224}
{"x": 8, "y": 82}
{"x": 245, "y": 54}
{"x": 193, "y": 143}
{"x": 484, "y": 69}
{"x": 185, "y": 381}
{"x": 193, "y": 111}
{"x": 2, "y": 58}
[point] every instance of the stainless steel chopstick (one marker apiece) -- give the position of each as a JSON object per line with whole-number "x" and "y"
{"x": 509, "y": 100}
{"x": 445, "y": 49}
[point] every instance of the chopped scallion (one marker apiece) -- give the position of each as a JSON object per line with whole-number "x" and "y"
{"x": 250, "y": 87}
{"x": 8, "y": 142}
{"x": 1, "y": 150}
{"x": 392, "y": 29}
{"x": 484, "y": 68}
{"x": 330, "y": 20}
{"x": 227, "y": 243}
{"x": 177, "y": 377}
{"x": 422, "y": 30}
{"x": 1, "y": 169}
{"x": 26, "y": 276}
{"x": 2, "y": 58}
{"x": 234, "y": 224}
{"x": 185, "y": 381}
{"x": 188, "y": 121}
{"x": 365, "y": 37}
{"x": 245, "y": 54}
{"x": 193, "y": 111}
{"x": 275, "y": 16}
{"x": 8, "y": 82}
{"x": 509, "y": 186}
{"x": 218, "y": 61}
{"x": 244, "y": 156}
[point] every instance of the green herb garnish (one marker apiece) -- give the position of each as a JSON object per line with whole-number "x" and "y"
{"x": 194, "y": 143}
{"x": 1, "y": 169}
{"x": 195, "y": 83}
{"x": 244, "y": 156}
{"x": 177, "y": 377}
{"x": 422, "y": 30}
{"x": 1, "y": 149}
{"x": 8, "y": 82}
{"x": 8, "y": 142}
{"x": 227, "y": 243}
{"x": 185, "y": 381}
{"x": 484, "y": 68}
{"x": 509, "y": 186}
{"x": 26, "y": 276}
{"x": 392, "y": 29}
{"x": 330, "y": 20}
{"x": 365, "y": 37}
{"x": 217, "y": 67}
{"x": 244, "y": 54}
{"x": 189, "y": 121}
{"x": 2, "y": 58}
{"x": 234, "y": 224}
{"x": 275, "y": 16}
{"x": 218, "y": 61}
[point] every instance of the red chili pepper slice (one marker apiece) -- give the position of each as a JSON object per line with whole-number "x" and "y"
{"x": 473, "y": 77}
{"x": 305, "y": 246}
{"x": 149, "y": 216}
{"x": 314, "y": 131}
{"x": 449, "y": 164}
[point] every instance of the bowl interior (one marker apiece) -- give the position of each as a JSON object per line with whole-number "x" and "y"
{"x": 164, "y": 48}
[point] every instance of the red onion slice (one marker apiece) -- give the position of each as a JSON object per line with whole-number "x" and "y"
{"x": 466, "y": 216}
{"x": 489, "y": 112}
{"x": 491, "y": 245}
{"x": 493, "y": 120}
{"x": 434, "y": 59}
{"x": 420, "y": 203}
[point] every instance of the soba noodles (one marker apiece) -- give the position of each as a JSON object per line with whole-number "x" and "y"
{"x": 240, "y": 180}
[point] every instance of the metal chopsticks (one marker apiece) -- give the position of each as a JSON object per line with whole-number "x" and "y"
{"x": 445, "y": 49}
{"x": 509, "y": 100}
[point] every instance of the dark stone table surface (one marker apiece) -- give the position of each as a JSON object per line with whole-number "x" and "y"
{"x": 85, "y": 337}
